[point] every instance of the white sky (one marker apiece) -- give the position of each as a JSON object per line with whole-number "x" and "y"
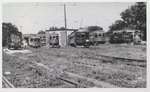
{"x": 32, "y": 17}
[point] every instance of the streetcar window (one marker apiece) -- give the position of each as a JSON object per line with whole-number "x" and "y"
{"x": 38, "y": 40}
{"x": 96, "y": 35}
{"x": 115, "y": 33}
{"x": 100, "y": 35}
{"x": 82, "y": 35}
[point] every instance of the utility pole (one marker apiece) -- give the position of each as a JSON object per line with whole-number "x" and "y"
{"x": 65, "y": 16}
{"x": 65, "y": 20}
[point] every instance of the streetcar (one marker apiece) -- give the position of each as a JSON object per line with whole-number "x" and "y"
{"x": 54, "y": 40}
{"x": 79, "y": 39}
{"x": 34, "y": 42}
{"x": 125, "y": 36}
{"x": 97, "y": 37}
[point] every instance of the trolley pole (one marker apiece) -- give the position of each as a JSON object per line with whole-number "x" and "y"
{"x": 65, "y": 20}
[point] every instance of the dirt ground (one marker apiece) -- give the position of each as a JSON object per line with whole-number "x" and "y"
{"x": 42, "y": 67}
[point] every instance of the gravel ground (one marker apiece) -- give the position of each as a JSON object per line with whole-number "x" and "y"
{"x": 29, "y": 70}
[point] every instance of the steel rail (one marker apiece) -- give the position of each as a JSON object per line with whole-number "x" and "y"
{"x": 7, "y": 84}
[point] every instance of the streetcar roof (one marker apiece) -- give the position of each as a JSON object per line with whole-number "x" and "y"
{"x": 35, "y": 37}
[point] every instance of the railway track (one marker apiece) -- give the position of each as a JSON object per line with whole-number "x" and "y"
{"x": 79, "y": 81}
{"x": 104, "y": 59}
{"x": 69, "y": 82}
{"x": 6, "y": 83}
{"x": 75, "y": 84}
{"x": 62, "y": 78}
{"x": 100, "y": 84}
{"x": 113, "y": 60}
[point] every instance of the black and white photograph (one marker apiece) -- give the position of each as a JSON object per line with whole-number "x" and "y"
{"x": 74, "y": 45}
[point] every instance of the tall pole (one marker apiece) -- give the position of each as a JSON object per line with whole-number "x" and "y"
{"x": 65, "y": 16}
{"x": 65, "y": 20}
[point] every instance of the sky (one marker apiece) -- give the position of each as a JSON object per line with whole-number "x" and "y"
{"x": 33, "y": 17}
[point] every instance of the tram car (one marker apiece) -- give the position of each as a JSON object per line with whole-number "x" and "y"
{"x": 15, "y": 41}
{"x": 124, "y": 36}
{"x": 79, "y": 39}
{"x": 116, "y": 37}
{"x": 54, "y": 40}
{"x": 34, "y": 42}
{"x": 127, "y": 37}
{"x": 97, "y": 37}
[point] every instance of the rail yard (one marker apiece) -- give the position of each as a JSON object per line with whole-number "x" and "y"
{"x": 74, "y": 45}
{"x": 103, "y": 66}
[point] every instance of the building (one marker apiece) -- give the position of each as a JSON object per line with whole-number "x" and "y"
{"x": 63, "y": 36}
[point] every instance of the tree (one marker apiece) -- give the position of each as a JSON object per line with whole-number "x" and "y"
{"x": 53, "y": 28}
{"x": 118, "y": 25}
{"x": 135, "y": 17}
{"x": 94, "y": 28}
{"x": 7, "y": 29}
{"x": 41, "y": 32}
